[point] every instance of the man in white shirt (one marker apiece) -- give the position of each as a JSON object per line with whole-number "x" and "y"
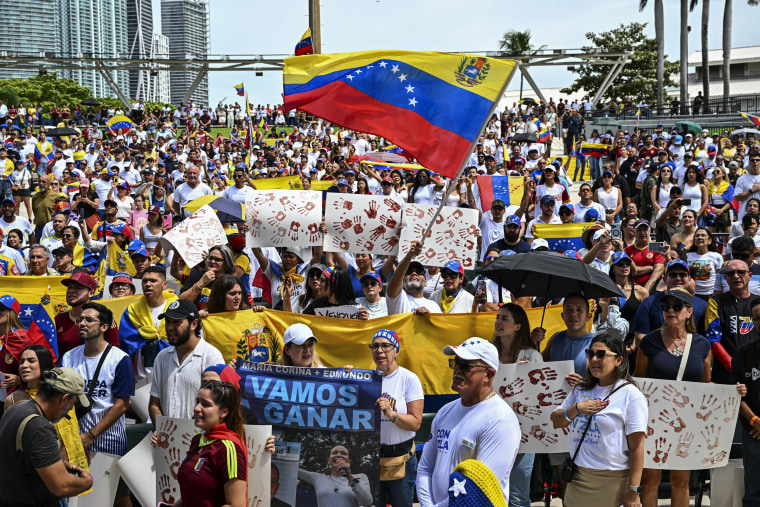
{"x": 547, "y": 216}
{"x": 10, "y": 221}
{"x": 586, "y": 203}
{"x": 405, "y": 288}
{"x": 191, "y": 189}
{"x": 240, "y": 191}
{"x": 477, "y": 426}
{"x": 130, "y": 174}
{"x": 178, "y": 369}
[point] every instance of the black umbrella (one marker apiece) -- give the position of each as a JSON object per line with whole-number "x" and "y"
{"x": 529, "y": 101}
{"x": 525, "y": 138}
{"x": 90, "y": 102}
{"x": 549, "y": 275}
{"x": 61, "y": 131}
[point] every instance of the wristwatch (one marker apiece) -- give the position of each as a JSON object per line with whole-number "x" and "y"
{"x": 635, "y": 489}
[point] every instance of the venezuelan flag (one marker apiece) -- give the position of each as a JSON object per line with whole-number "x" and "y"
{"x": 543, "y": 135}
{"x": 119, "y": 124}
{"x": 239, "y": 89}
{"x": 595, "y": 149}
{"x": 113, "y": 260}
{"x": 43, "y": 151}
{"x": 754, "y": 120}
{"x": 83, "y": 257}
{"x": 508, "y": 189}
{"x": 562, "y": 237}
{"x": 433, "y": 105}
{"x": 136, "y": 327}
{"x": 305, "y": 46}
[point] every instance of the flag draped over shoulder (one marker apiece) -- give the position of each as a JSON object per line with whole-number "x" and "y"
{"x": 136, "y": 325}
{"x": 754, "y": 120}
{"x": 258, "y": 337}
{"x": 305, "y": 46}
{"x": 43, "y": 151}
{"x": 562, "y": 237}
{"x": 433, "y": 105}
{"x": 508, "y": 189}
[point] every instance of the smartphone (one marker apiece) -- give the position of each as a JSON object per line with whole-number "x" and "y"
{"x": 686, "y": 202}
{"x": 657, "y": 246}
{"x": 615, "y": 231}
{"x": 480, "y": 290}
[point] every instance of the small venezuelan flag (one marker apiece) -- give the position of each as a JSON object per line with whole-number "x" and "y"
{"x": 543, "y": 135}
{"x": 755, "y": 120}
{"x": 304, "y": 46}
{"x": 562, "y": 237}
{"x": 239, "y": 89}
{"x": 508, "y": 189}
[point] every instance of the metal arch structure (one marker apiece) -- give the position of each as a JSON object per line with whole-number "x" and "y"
{"x": 105, "y": 63}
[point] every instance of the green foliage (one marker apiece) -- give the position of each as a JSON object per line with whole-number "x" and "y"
{"x": 638, "y": 79}
{"x": 514, "y": 42}
{"x": 8, "y": 95}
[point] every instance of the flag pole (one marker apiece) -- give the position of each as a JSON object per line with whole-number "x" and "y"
{"x": 469, "y": 153}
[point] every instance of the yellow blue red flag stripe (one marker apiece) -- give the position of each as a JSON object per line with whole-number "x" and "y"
{"x": 430, "y": 104}
{"x": 562, "y": 237}
{"x": 755, "y": 120}
{"x": 239, "y": 89}
{"x": 305, "y": 46}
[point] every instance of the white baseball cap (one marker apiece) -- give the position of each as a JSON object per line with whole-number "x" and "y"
{"x": 538, "y": 243}
{"x": 473, "y": 349}
{"x": 298, "y": 334}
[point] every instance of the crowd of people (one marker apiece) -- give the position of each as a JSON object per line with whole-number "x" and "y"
{"x": 672, "y": 219}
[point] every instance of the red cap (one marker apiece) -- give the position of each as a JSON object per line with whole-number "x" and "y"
{"x": 82, "y": 279}
{"x": 154, "y": 210}
{"x": 62, "y": 206}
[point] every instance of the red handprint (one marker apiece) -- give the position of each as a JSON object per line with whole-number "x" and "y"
{"x": 467, "y": 262}
{"x": 166, "y": 492}
{"x": 377, "y": 232}
{"x": 279, "y": 235}
{"x": 390, "y": 223}
{"x": 165, "y": 431}
{"x": 672, "y": 419}
{"x": 313, "y": 232}
{"x": 372, "y": 211}
{"x": 439, "y": 219}
{"x": 287, "y": 203}
{"x": 277, "y": 218}
{"x": 369, "y": 245}
{"x": 256, "y": 228}
{"x": 393, "y": 205}
{"x": 548, "y": 399}
{"x": 173, "y": 460}
{"x": 342, "y": 203}
{"x": 419, "y": 213}
{"x": 430, "y": 253}
{"x": 252, "y": 455}
{"x": 469, "y": 244}
{"x": 186, "y": 439}
{"x": 526, "y": 410}
{"x": 345, "y": 224}
{"x": 536, "y": 376}
{"x": 390, "y": 244}
{"x": 295, "y": 227}
{"x": 358, "y": 229}
{"x": 513, "y": 388}
{"x": 306, "y": 208}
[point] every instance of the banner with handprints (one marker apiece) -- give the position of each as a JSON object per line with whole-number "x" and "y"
{"x": 691, "y": 424}
{"x": 284, "y": 218}
{"x": 362, "y": 224}
{"x": 193, "y": 237}
{"x": 534, "y": 391}
{"x": 453, "y": 237}
{"x": 174, "y": 437}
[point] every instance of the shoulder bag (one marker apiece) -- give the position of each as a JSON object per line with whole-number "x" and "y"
{"x": 80, "y": 410}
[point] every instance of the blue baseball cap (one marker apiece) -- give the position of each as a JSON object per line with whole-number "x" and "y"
{"x": 211, "y": 164}
{"x": 374, "y": 276}
{"x": 679, "y": 140}
{"x": 389, "y": 335}
{"x": 591, "y": 215}
{"x": 507, "y": 252}
{"x": 619, "y": 256}
{"x": 676, "y": 263}
{"x": 342, "y": 181}
{"x": 137, "y": 247}
{"x": 454, "y": 267}
{"x": 545, "y": 199}
{"x": 512, "y": 220}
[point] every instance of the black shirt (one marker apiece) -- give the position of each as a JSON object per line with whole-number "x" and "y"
{"x": 745, "y": 368}
{"x": 522, "y": 246}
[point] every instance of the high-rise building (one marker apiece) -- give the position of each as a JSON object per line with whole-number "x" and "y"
{"x": 160, "y": 79}
{"x": 29, "y": 27}
{"x": 94, "y": 27}
{"x": 140, "y": 40}
{"x": 186, "y": 24}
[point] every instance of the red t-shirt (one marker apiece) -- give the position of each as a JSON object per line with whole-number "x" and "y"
{"x": 207, "y": 469}
{"x": 648, "y": 152}
{"x": 68, "y": 334}
{"x": 644, "y": 258}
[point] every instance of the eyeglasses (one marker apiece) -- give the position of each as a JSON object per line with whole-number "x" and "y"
{"x": 67, "y": 235}
{"x": 735, "y": 272}
{"x": 623, "y": 264}
{"x": 454, "y": 364}
{"x": 449, "y": 274}
{"x": 676, "y": 307}
{"x": 754, "y": 160}
{"x": 217, "y": 260}
{"x": 599, "y": 353}
{"x": 88, "y": 320}
{"x": 491, "y": 258}
{"x": 384, "y": 346}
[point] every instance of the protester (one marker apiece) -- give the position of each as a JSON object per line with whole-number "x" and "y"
{"x": 197, "y": 288}
{"x": 405, "y": 288}
{"x": 337, "y": 290}
{"x": 372, "y": 301}
{"x": 298, "y": 347}
{"x": 227, "y": 295}
{"x": 476, "y": 426}
{"x": 121, "y": 285}
{"x": 609, "y": 457}
{"x": 649, "y": 265}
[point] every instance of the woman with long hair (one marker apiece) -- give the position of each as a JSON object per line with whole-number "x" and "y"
{"x": 720, "y": 194}
{"x": 215, "y": 468}
{"x": 151, "y": 232}
{"x": 313, "y": 290}
{"x": 684, "y": 239}
{"x": 694, "y": 188}
{"x": 422, "y": 191}
{"x": 159, "y": 195}
{"x": 398, "y": 184}
{"x": 609, "y": 196}
{"x": 197, "y": 288}
{"x": 661, "y": 191}
{"x": 363, "y": 267}
{"x": 299, "y": 347}
{"x": 608, "y": 397}
{"x": 227, "y": 295}
{"x": 34, "y": 362}
{"x": 138, "y": 217}
{"x": 621, "y": 271}
{"x": 511, "y": 337}
{"x": 338, "y": 290}
{"x": 362, "y": 187}
{"x": 704, "y": 262}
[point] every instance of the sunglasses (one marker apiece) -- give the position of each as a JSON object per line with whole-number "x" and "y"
{"x": 217, "y": 260}
{"x": 734, "y": 272}
{"x": 491, "y": 258}
{"x": 449, "y": 274}
{"x": 599, "y": 354}
{"x": 415, "y": 271}
{"x": 676, "y": 307}
{"x": 369, "y": 283}
{"x": 454, "y": 364}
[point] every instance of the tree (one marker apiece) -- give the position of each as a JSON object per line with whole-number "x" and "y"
{"x": 705, "y": 60}
{"x": 518, "y": 45}
{"x": 686, "y": 7}
{"x": 727, "y": 29}
{"x": 659, "y": 36}
{"x": 638, "y": 79}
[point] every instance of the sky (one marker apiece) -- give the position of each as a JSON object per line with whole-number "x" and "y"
{"x": 273, "y": 28}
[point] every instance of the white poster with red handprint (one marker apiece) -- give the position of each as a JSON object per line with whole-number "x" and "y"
{"x": 193, "y": 236}
{"x": 454, "y": 236}
{"x": 690, "y": 425}
{"x": 534, "y": 391}
{"x": 174, "y": 437}
{"x": 362, "y": 224}
{"x": 284, "y": 218}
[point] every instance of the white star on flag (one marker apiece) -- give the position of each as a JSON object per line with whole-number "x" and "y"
{"x": 409, "y": 89}
{"x": 413, "y": 102}
{"x": 29, "y": 311}
{"x": 402, "y": 77}
{"x": 458, "y": 487}
{"x": 394, "y": 69}
{"x": 358, "y": 71}
{"x": 382, "y": 64}
{"x": 351, "y": 77}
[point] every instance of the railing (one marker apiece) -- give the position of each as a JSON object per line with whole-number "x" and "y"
{"x": 715, "y": 106}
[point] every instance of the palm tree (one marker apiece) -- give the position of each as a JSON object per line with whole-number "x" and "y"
{"x": 686, "y": 7}
{"x": 518, "y": 45}
{"x": 705, "y": 49}
{"x": 659, "y": 35}
{"x": 727, "y": 28}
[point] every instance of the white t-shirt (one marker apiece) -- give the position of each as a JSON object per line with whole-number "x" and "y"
{"x": 405, "y": 303}
{"x": 102, "y": 188}
{"x": 490, "y": 231}
{"x": 20, "y": 223}
{"x": 488, "y": 432}
{"x": 606, "y": 446}
{"x": 580, "y": 211}
{"x": 400, "y": 387}
{"x": 743, "y": 184}
{"x": 462, "y": 303}
{"x": 703, "y": 268}
{"x": 375, "y": 310}
{"x": 176, "y": 385}
{"x": 123, "y": 207}
{"x": 274, "y": 275}
{"x": 239, "y": 194}
{"x": 184, "y": 194}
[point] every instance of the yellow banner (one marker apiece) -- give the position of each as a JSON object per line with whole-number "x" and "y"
{"x": 290, "y": 183}
{"x": 343, "y": 341}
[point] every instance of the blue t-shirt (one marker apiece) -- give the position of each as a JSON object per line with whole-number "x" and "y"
{"x": 649, "y": 315}
{"x": 664, "y": 365}
{"x": 566, "y": 348}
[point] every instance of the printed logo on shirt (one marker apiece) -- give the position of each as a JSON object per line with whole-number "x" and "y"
{"x": 442, "y": 439}
{"x": 741, "y": 325}
{"x": 700, "y": 269}
{"x": 755, "y": 374}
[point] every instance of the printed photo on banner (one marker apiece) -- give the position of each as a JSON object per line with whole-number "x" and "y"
{"x": 454, "y": 236}
{"x": 332, "y": 414}
{"x": 338, "y": 312}
{"x": 285, "y": 461}
{"x": 195, "y": 235}
{"x": 284, "y": 218}
{"x": 691, "y": 425}
{"x": 362, "y": 224}
{"x": 534, "y": 391}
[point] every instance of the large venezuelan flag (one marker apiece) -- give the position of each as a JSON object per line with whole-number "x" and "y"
{"x": 562, "y": 237}
{"x": 595, "y": 149}
{"x": 509, "y": 189}
{"x": 432, "y": 105}
{"x": 136, "y": 326}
